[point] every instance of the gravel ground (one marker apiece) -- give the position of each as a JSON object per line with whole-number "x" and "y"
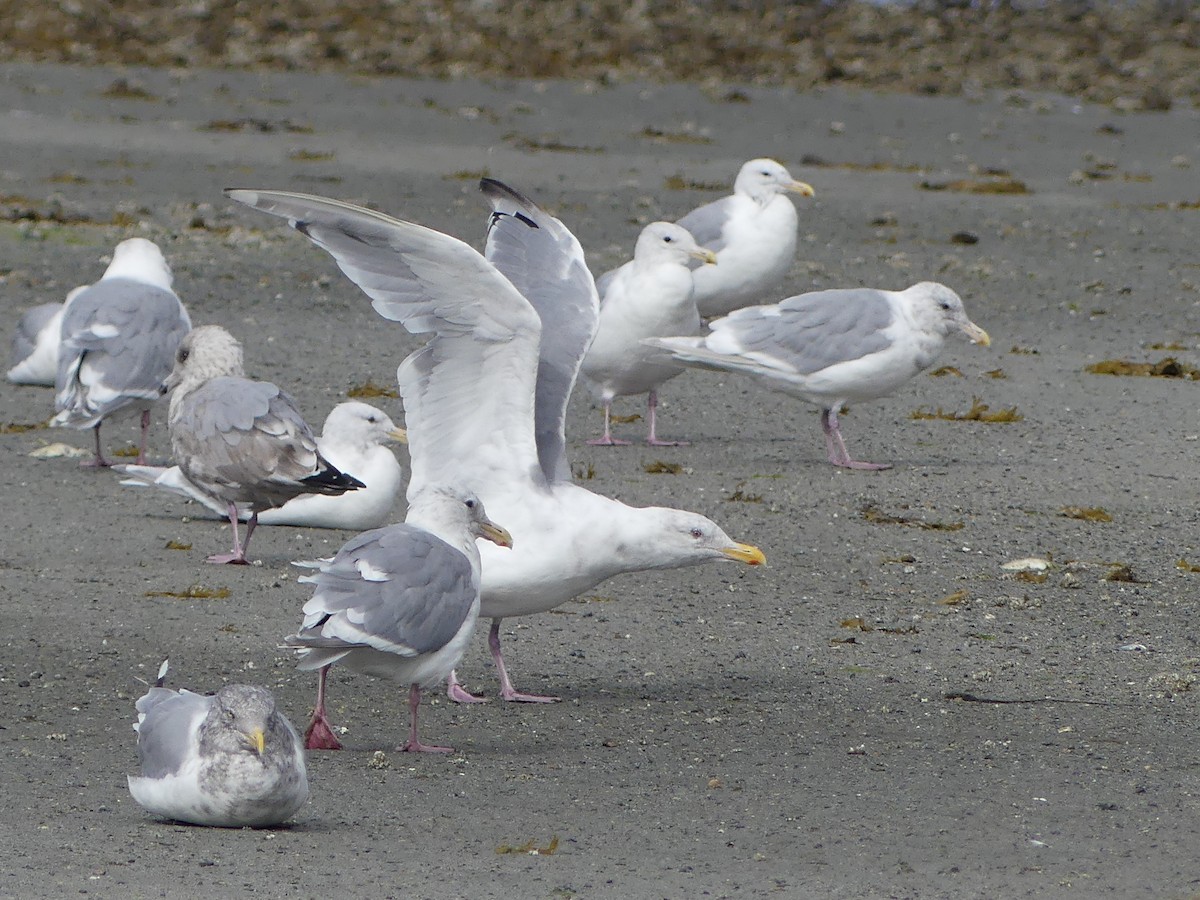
{"x": 883, "y": 711}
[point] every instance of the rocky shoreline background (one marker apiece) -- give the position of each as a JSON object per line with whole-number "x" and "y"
{"x": 1143, "y": 54}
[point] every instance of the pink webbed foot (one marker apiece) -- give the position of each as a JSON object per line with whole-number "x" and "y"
{"x": 411, "y": 746}
{"x": 320, "y": 736}
{"x": 515, "y": 696}
{"x": 98, "y": 462}
{"x": 458, "y": 694}
{"x": 232, "y": 559}
{"x": 608, "y": 441}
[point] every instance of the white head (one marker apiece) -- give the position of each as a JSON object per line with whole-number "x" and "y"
{"x": 663, "y": 538}
{"x": 762, "y": 179}
{"x": 140, "y": 260}
{"x": 447, "y": 512}
{"x": 361, "y": 425}
{"x": 205, "y": 352}
{"x": 939, "y": 310}
{"x": 667, "y": 242}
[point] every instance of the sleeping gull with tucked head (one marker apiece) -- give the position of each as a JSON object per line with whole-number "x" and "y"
{"x": 398, "y": 602}
{"x": 353, "y": 439}
{"x": 118, "y": 341}
{"x": 753, "y": 233}
{"x": 35, "y": 343}
{"x": 833, "y": 347}
{"x": 241, "y": 442}
{"x": 231, "y": 759}
{"x": 649, "y": 296}
{"x": 486, "y": 398}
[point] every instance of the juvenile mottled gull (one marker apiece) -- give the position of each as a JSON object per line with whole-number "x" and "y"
{"x": 35, "y": 344}
{"x": 118, "y": 342}
{"x": 833, "y": 347}
{"x": 238, "y": 441}
{"x": 649, "y": 296}
{"x": 353, "y": 439}
{"x": 398, "y": 602}
{"x": 485, "y": 399}
{"x": 752, "y": 231}
{"x": 231, "y": 759}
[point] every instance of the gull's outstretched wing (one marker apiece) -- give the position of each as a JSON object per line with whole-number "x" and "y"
{"x": 469, "y": 392}
{"x": 545, "y": 262}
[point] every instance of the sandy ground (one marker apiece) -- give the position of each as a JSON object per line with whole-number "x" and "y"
{"x": 724, "y": 732}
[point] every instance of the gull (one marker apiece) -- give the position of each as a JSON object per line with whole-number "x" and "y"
{"x": 649, "y": 296}
{"x": 35, "y": 343}
{"x": 231, "y": 759}
{"x": 398, "y": 602}
{"x": 752, "y": 231}
{"x": 241, "y": 442}
{"x": 118, "y": 342}
{"x": 353, "y": 439}
{"x": 485, "y": 399}
{"x": 833, "y": 347}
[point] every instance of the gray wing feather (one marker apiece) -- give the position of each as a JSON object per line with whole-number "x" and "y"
{"x": 164, "y": 733}
{"x": 814, "y": 331}
{"x": 235, "y": 433}
{"x": 128, "y": 332}
{"x": 545, "y": 262}
{"x": 707, "y": 224}
{"x": 417, "y": 606}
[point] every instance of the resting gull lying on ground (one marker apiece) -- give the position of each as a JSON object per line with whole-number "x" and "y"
{"x": 398, "y": 602}
{"x": 752, "y": 231}
{"x": 231, "y": 759}
{"x": 833, "y": 347}
{"x": 353, "y": 440}
{"x": 35, "y": 343}
{"x": 649, "y": 296}
{"x": 238, "y": 441}
{"x": 118, "y": 343}
{"x": 485, "y": 399}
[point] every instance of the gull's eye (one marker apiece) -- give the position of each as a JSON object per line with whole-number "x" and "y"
{"x": 183, "y": 354}
{"x": 372, "y": 419}
{"x": 697, "y": 533}
{"x": 470, "y": 504}
{"x": 667, "y": 239}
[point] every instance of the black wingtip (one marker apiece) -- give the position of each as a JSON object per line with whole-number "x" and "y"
{"x": 331, "y": 481}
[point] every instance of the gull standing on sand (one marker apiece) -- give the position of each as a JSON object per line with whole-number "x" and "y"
{"x": 398, "y": 602}
{"x": 231, "y": 759}
{"x": 486, "y": 398}
{"x": 833, "y": 347}
{"x": 118, "y": 343}
{"x": 238, "y": 441}
{"x": 353, "y": 439}
{"x": 649, "y": 296}
{"x": 753, "y": 233}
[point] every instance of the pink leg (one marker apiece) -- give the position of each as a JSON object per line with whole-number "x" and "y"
{"x": 652, "y": 438}
{"x": 319, "y": 736}
{"x": 413, "y": 744}
{"x": 141, "y": 457}
{"x": 238, "y": 556}
{"x": 836, "y": 447}
{"x": 459, "y": 694}
{"x": 99, "y": 462}
{"x": 507, "y": 691}
{"x": 607, "y": 440}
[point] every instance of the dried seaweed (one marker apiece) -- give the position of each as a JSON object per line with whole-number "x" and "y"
{"x": 658, "y": 467}
{"x": 530, "y": 848}
{"x": 1086, "y": 513}
{"x": 858, "y": 623}
{"x": 954, "y": 599}
{"x": 673, "y": 137}
{"x": 995, "y": 373}
{"x": 977, "y": 413}
{"x": 999, "y": 185}
{"x": 176, "y": 545}
{"x": 193, "y": 592}
{"x": 1122, "y": 572}
{"x": 371, "y": 389}
{"x": 626, "y": 420}
{"x": 946, "y": 370}
{"x": 1167, "y": 367}
{"x": 875, "y": 516}
{"x": 259, "y": 126}
{"x": 1186, "y": 566}
{"x": 22, "y": 427}
{"x": 124, "y": 89}
{"x": 739, "y": 496}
